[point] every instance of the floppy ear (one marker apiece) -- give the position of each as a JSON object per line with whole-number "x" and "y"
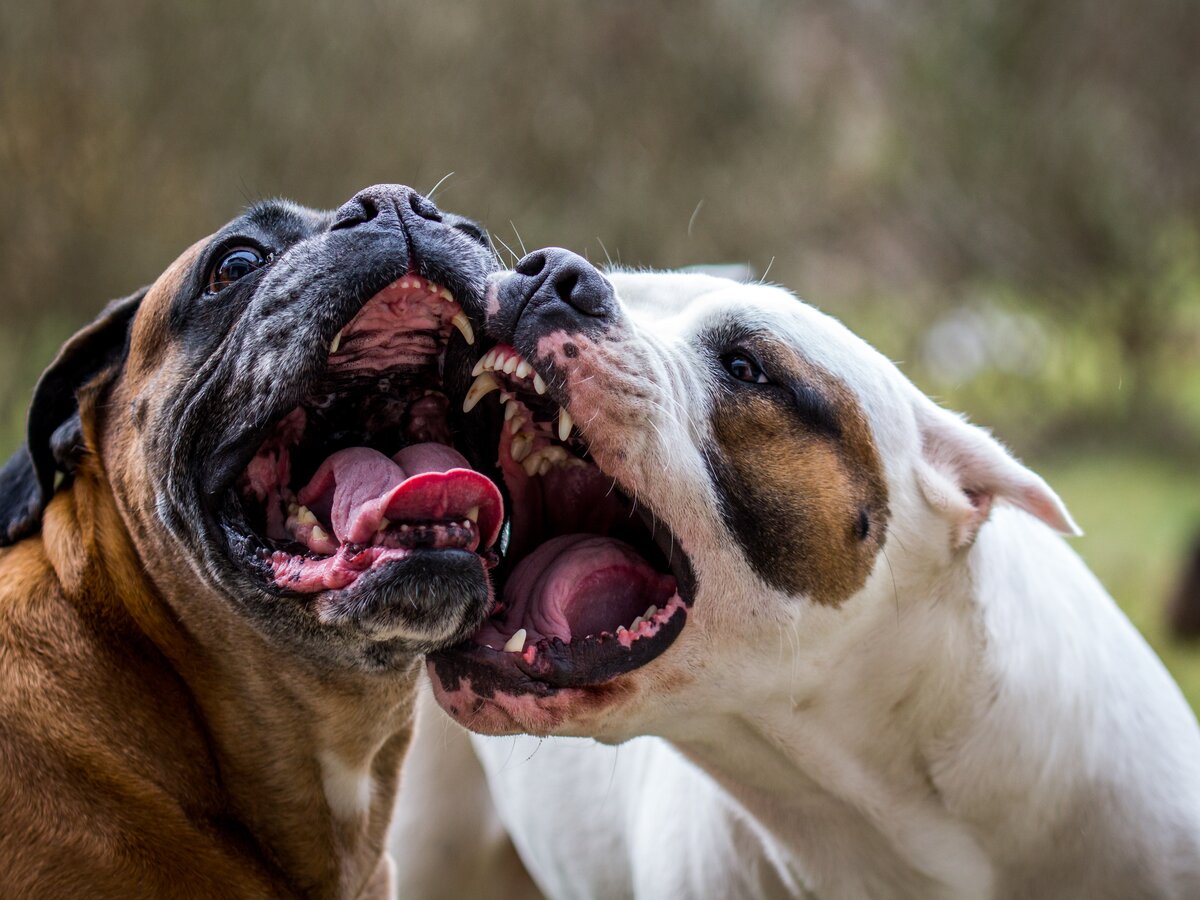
{"x": 54, "y": 434}
{"x": 964, "y": 470}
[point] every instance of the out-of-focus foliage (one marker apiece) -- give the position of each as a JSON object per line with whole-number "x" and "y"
{"x": 911, "y": 165}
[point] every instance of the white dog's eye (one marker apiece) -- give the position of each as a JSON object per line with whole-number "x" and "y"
{"x": 742, "y": 366}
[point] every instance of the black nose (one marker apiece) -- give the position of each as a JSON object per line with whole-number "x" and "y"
{"x": 386, "y": 204}
{"x": 559, "y": 278}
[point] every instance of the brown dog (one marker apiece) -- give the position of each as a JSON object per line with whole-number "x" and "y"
{"x": 217, "y": 588}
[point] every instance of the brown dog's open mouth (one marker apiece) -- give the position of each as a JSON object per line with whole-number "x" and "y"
{"x": 362, "y": 472}
{"x": 590, "y": 585}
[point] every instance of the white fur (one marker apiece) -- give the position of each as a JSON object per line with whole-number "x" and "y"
{"x": 348, "y": 790}
{"x": 979, "y": 720}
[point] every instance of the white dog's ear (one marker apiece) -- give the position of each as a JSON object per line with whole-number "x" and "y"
{"x": 964, "y": 470}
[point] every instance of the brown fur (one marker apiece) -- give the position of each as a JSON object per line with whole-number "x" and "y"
{"x": 151, "y": 742}
{"x": 795, "y": 495}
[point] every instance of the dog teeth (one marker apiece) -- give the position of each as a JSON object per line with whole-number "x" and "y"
{"x": 516, "y": 643}
{"x": 318, "y": 533}
{"x": 565, "y": 424}
{"x": 335, "y": 343}
{"x": 636, "y": 623}
{"x": 483, "y": 385}
{"x": 510, "y": 409}
{"x": 520, "y": 447}
{"x": 523, "y": 369}
{"x": 539, "y": 384}
{"x": 384, "y": 525}
{"x": 463, "y": 324}
{"x": 304, "y": 516}
{"x": 510, "y": 364}
{"x": 473, "y": 514}
{"x": 650, "y": 612}
{"x": 542, "y": 461}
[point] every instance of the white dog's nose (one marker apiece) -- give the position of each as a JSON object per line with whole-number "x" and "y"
{"x": 558, "y": 276}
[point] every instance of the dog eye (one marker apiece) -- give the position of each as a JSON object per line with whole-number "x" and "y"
{"x": 234, "y": 265}
{"x": 743, "y": 367}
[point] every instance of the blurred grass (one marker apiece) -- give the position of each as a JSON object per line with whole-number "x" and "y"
{"x": 1138, "y": 514}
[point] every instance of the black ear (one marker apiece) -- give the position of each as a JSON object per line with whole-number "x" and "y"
{"x": 54, "y": 435}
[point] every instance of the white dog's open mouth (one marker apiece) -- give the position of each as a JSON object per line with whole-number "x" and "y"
{"x": 589, "y": 585}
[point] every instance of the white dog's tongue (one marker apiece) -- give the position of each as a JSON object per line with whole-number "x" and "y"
{"x": 356, "y": 489}
{"x": 580, "y": 584}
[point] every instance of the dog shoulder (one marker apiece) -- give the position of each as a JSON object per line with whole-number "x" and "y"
{"x": 80, "y": 742}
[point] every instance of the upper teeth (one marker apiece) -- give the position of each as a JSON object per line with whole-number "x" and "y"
{"x": 462, "y": 323}
{"x": 335, "y": 343}
{"x": 565, "y": 424}
{"x": 484, "y": 385}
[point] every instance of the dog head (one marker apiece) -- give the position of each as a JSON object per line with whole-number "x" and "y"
{"x": 724, "y": 470}
{"x": 271, "y": 418}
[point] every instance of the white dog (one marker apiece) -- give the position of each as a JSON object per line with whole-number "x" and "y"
{"x": 869, "y": 666}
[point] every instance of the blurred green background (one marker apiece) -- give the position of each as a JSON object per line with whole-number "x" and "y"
{"x": 1005, "y": 197}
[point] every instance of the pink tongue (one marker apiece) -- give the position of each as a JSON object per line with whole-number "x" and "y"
{"x": 578, "y": 584}
{"x": 357, "y": 488}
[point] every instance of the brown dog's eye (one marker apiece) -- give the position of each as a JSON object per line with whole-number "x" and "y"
{"x": 234, "y": 265}
{"x": 743, "y": 367}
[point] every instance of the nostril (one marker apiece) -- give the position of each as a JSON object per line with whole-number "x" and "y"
{"x": 565, "y": 284}
{"x": 424, "y": 208}
{"x": 531, "y": 265}
{"x": 357, "y": 212}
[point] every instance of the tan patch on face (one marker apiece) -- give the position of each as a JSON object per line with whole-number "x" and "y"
{"x": 150, "y": 336}
{"x": 807, "y": 505}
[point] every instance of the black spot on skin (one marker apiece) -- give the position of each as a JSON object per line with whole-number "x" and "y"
{"x": 570, "y": 351}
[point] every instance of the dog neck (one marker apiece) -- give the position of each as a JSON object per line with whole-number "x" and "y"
{"x": 836, "y": 755}
{"x": 307, "y": 762}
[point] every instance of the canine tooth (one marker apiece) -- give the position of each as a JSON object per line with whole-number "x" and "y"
{"x": 384, "y": 524}
{"x": 539, "y": 384}
{"x": 479, "y": 368}
{"x": 482, "y": 386}
{"x": 304, "y": 516}
{"x": 473, "y": 513}
{"x": 649, "y": 613}
{"x": 445, "y": 294}
{"x": 565, "y": 424}
{"x": 318, "y": 533}
{"x": 335, "y": 343}
{"x": 510, "y": 365}
{"x": 463, "y": 324}
{"x": 523, "y": 369}
{"x": 516, "y": 643}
